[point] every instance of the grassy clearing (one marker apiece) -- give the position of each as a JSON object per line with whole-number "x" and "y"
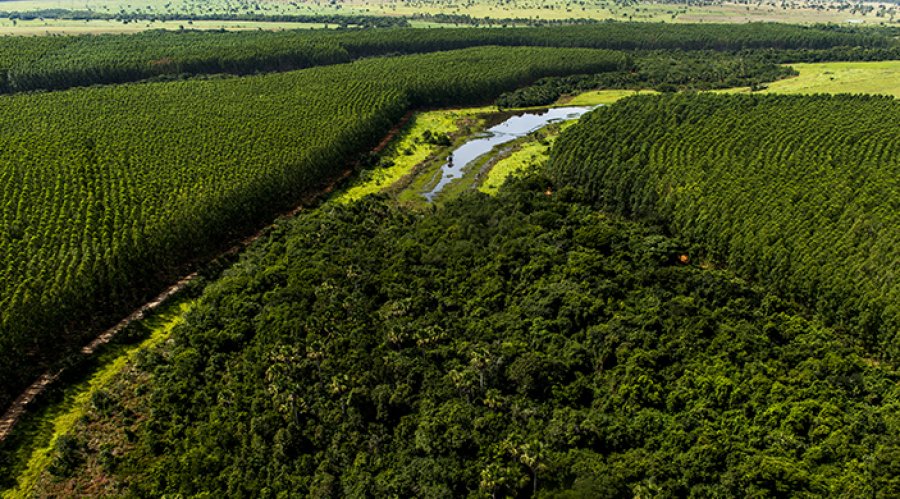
{"x": 409, "y": 165}
{"x": 529, "y": 154}
{"x": 407, "y": 150}
{"x": 58, "y": 419}
{"x": 803, "y": 12}
{"x": 881, "y": 77}
{"x": 600, "y": 97}
{"x": 532, "y": 151}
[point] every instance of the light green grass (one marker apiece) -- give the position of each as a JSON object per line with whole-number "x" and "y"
{"x": 405, "y": 152}
{"x": 881, "y": 77}
{"x": 530, "y": 153}
{"x": 602, "y": 97}
{"x": 803, "y": 11}
{"x": 76, "y": 404}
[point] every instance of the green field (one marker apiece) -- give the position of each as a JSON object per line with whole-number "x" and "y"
{"x": 601, "y": 97}
{"x": 803, "y": 12}
{"x": 880, "y": 77}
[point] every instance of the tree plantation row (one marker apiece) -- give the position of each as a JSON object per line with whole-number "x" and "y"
{"x": 492, "y": 348}
{"x": 800, "y": 192}
{"x": 101, "y": 202}
{"x": 36, "y": 63}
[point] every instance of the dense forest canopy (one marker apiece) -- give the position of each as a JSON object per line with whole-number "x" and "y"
{"x": 163, "y": 176}
{"x": 62, "y": 62}
{"x": 694, "y": 295}
{"x": 801, "y": 192}
{"x": 126, "y": 183}
{"x": 493, "y": 348}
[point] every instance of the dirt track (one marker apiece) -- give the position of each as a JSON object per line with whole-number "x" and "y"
{"x": 20, "y": 405}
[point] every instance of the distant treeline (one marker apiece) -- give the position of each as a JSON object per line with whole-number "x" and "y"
{"x": 50, "y": 63}
{"x": 467, "y": 20}
{"x": 336, "y": 19}
{"x": 800, "y": 192}
{"x": 661, "y": 70}
{"x": 87, "y": 15}
{"x": 673, "y": 70}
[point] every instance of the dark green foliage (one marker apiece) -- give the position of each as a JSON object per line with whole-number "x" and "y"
{"x": 101, "y": 204}
{"x": 341, "y": 20}
{"x": 68, "y": 455}
{"x": 621, "y": 36}
{"x": 32, "y": 63}
{"x": 798, "y": 192}
{"x": 498, "y": 346}
{"x": 60, "y": 62}
{"x": 662, "y": 70}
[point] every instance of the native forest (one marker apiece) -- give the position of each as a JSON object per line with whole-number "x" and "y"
{"x": 418, "y": 248}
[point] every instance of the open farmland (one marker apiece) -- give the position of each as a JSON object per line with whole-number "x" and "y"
{"x": 455, "y": 12}
{"x": 875, "y": 77}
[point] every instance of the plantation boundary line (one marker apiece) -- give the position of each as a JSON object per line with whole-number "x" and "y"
{"x": 20, "y": 405}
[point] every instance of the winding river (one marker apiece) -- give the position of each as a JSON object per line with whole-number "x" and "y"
{"x": 507, "y": 131}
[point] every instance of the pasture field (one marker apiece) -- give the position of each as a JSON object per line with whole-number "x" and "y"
{"x": 601, "y": 97}
{"x": 876, "y": 77}
{"x": 803, "y": 12}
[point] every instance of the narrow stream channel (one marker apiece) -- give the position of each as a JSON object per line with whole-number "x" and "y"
{"x": 509, "y": 130}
